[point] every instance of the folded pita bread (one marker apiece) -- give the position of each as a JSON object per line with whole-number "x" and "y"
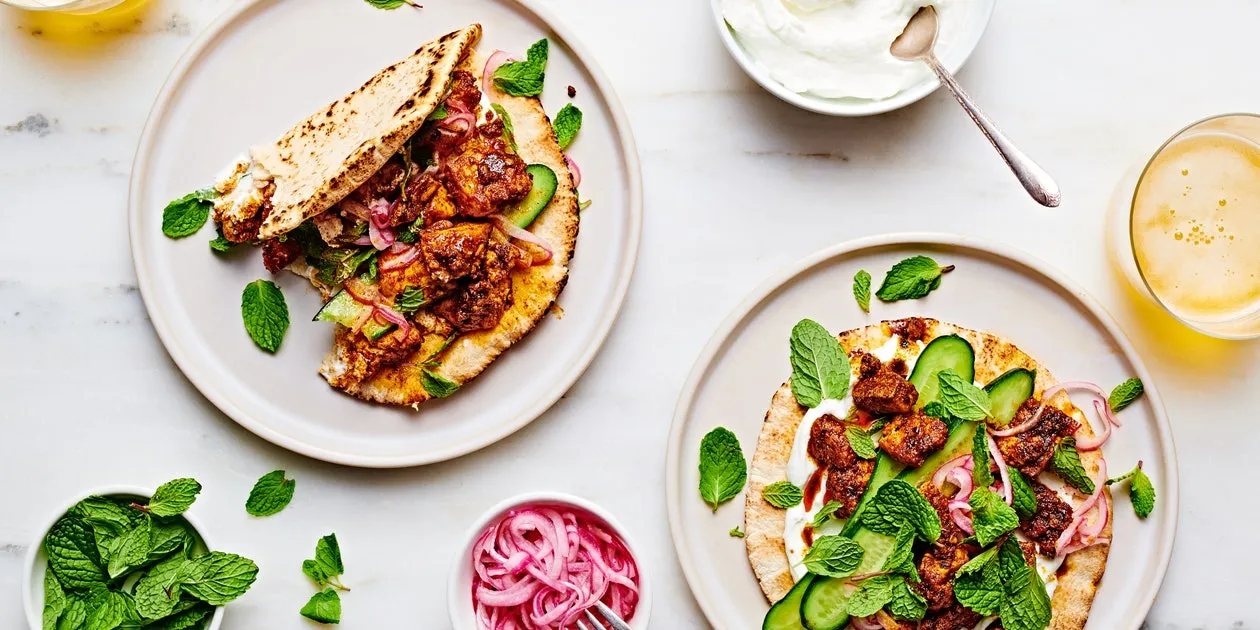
{"x": 764, "y": 524}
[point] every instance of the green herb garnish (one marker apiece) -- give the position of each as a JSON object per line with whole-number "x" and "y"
{"x": 820, "y": 367}
{"x": 991, "y": 516}
{"x": 327, "y": 567}
{"x": 1024, "y": 498}
{"x": 828, "y": 510}
{"x": 736, "y": 532}
{"x": 833, "y": 556}
{"x": 436, "y": 385}
{"x": 962, "y": 399}
{"x": 1141, "y": 490}
{"x": 265, "y": 314}
{"x": 1066, "y": 461}
{"x": 185, "y": 216}
{"x": 567, "y": 123}
{"x": 860, "y": 441}
{"x": 390, "y": 5}
{"x": 323, "y": 607}
{"x": 911, "y": 279}
{"x": 897, "y": 504}
{"x": 782, "y": 494}
{"x": 862, "y": 289}
{"x": 524, "y": 78}
{"x": 509, "y": 132}
{"x": 1125, "y": 393}
{"x": 723, "y": 469}
{"x": 270, "y": 494}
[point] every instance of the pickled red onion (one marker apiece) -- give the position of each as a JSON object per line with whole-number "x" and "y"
{"x": 957, "y": 510}
{"x": 541, "y": 567}
{"x": 1003, "y": 471}
{"x": 355, "y": 209}
{"x": 866, "y": 623}
{"x": 938, "y": 478}
{"x": 498, "y": 58}
{"x": 1093, "y": 442}
{"x": 962, "y": 478}
{"x": 399, "y": 259}
{"x": 394, "y": 317}
{"x": 520, "y": 234}
{"x": 1078, "y": 516}
{"x": 573, "y": 168}
{"x": 378, "y": 224}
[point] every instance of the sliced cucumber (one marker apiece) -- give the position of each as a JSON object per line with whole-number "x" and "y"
{"x": 1008, "y": 391}
{"x": 950, "y": 352}
{"x": 545, "y": 184}
{"x": 345, "y": 310}
{"x": 823, "y": 607}
{"x": 785, "y": 614}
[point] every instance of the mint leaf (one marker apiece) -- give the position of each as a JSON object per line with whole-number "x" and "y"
{"x": 173, "y": 497}
{"x": 1066, "y": 461}
{"x": 158, "y": 591}
{"x": 906, "y": 602}
{"x": 132, "y": 550}
{"x": 871, "y": 597}
{"x": 1125, "y": 393}
{"x": 409, "y": 300}
{"x": 860, "y": 441}
{"x": 901, "y": 560}
{"x": 1141, "y": 490}
{"x": 185, "y": 216}
{"x": 978, "y": 584}
{"x": 509, "y": 131}
{"x": 220, "y": 243}
{"x": 736, "y": 532}
{"x": 184, "y": 620}
{"x": 74, "y": 616}
{"x": 106, "y": 609}
{"x": 327, "y": 567}
{"x": 438, "y": 386}
{"x": 1026, "y": 605}
{"x": 828, "y": 509}
{"x": 567, "y": 123}
{"x": 217, "y": 577}
{"x": 782, "y": 494}
{"x": 820, "y": 367}
{"x": 862, "y": 289}
{"x": 265, "y": 313}
{"x": 1024, "y": 499}
{"x": 834, "y": 556}
{"x": 324, "y": 607}
{"x": 390, "y": 5}
{"x": 73, "y": 556}
{"x": 54, "y": 601}
{"x": 911, "y": 278}
{"x": 723, "y": 470}
{"x": 335, "y": 265}
{"x": 524, "y": 78}
{"x": 981, "y": 473}
{"x": 270, "y": 494}
{"x": 935, "y": 409}
{"x": 991, "y": 516}
{"x": 896, "y": 504}
{"x": 962, "y": 399}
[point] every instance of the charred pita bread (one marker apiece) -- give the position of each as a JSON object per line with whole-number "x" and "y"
{"x": 1077, "y": 579}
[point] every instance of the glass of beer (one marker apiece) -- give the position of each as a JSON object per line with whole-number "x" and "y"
{"x": 1191, "y": 235}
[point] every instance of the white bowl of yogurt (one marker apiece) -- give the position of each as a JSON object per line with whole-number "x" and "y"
{"x": 831, "y": 56}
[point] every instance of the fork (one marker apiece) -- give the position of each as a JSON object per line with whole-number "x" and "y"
{"x": 613, "y": 621}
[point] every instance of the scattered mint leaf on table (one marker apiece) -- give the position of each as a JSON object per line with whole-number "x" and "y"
{"x": 981, "y": 473}
{"x": 782, "y": 494}
{"x": 327, "y": 567}
{"x": 736, "y": 532}
{"x": 265, "y": 313}
{"x": 437, "y": 385}
{"x": 217, "y": 577}
{"x": 1141, "y": 490}
{"x": 1066, "y": 461}
{"x": 962, "y": 399}
{"x": 73, "y": 555}
{"x": 567, "y": 123}
{"x": 834, "y": 556}
{"x": 173, "y": 498}
{"x": 524, "y": 78}
{"x": 270, "y": 494}
{"x": 828, "y": 509}
{"x": 723, "y": 469}
{"x": 991, "y": 516}
{"x": 911, "y": 279}
{"x": 820, "y": 367}
{"x": 324, "y": 607}
{"x": 390, "y": 5}
{"x": 1024, "y": 499}
{"x": 860, "y": 441}
{"x": 185, "y": 216}
{"x": 1125, "y": 393}
{"x": 896, "y": 504}
{"x": 862, "y": 289}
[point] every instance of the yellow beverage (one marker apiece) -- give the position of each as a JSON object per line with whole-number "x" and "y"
{"x": 1194, "y": 226}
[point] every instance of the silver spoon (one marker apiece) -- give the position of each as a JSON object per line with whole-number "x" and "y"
{"x": 915, "y": 44}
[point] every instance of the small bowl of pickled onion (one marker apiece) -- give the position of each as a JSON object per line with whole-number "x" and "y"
{"x": 541, "y": 560}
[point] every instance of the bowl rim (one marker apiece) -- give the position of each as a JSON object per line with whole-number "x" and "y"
{"x": 848, "y": 107}
{"x": 459, "y": 580}
{"x": 34, "y": 612}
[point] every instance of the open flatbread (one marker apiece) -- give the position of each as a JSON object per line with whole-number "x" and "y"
{"x": 1077, "y": 578}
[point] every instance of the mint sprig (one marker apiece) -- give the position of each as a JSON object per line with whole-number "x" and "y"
{"x": 897, "y": 504}
{"x": 326, "y": 568}
{"x": 991, "y": 516}
{"x": 723, "y": 469}
{"x": 862, "y": 289}
{"x": 911, "y": 279}
{"x": 1066, "y": 461}
{"x": 820, "y": 367}
{"x": 1141, "y": 490}
{"x": 834, "y": 556}
{"x": 782, "y": 494}
{"x": 962, "y": 399}
{"x": 567, "y": 123}
{"x": 524, "y": 78}
{"x": 185, "y": 216}
{"x": 860, "y": 441}
{"x": 323, "y": 607}
{"x": 265, "y": 313}
{"x": 270, "y": 494}
{"x": 173, "y": 498}
{"x": 1125, "y": 393}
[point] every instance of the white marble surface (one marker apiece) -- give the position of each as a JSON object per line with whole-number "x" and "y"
{"x": 737, "y": 184}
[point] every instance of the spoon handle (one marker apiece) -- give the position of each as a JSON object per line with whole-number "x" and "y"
{"x": 1035, "y": 180}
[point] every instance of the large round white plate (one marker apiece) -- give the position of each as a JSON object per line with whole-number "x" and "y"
{"x": 267, "y": 64}
{"x": 994, "y": 288}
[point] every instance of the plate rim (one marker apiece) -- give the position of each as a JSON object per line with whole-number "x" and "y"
{"x": 768, "y": 287}
{"x": 188, "y": 365}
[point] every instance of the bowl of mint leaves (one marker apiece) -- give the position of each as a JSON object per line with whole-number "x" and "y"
{"x": 128, "y": 557}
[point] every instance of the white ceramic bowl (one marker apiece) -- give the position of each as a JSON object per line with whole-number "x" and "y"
{"x": 460, "y": 586}
{"x": 37, "y": 562}
{"x": 976, "y": 21}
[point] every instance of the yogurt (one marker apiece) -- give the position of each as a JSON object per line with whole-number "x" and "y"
{"x": 836, "y": 48}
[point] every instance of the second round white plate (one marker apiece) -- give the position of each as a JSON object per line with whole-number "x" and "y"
{"x": 995, "y": 289}
{"x": 265, "y": 65}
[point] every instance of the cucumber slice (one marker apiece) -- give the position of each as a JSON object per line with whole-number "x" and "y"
{"x": 545, "y": 183}
{"x": 786, "y": 613}
{"x": 1008, "y": 391}
{"x": 345, "y": 310}
{"x": 950, "y": 352}
{"x": 825, "y": 600}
